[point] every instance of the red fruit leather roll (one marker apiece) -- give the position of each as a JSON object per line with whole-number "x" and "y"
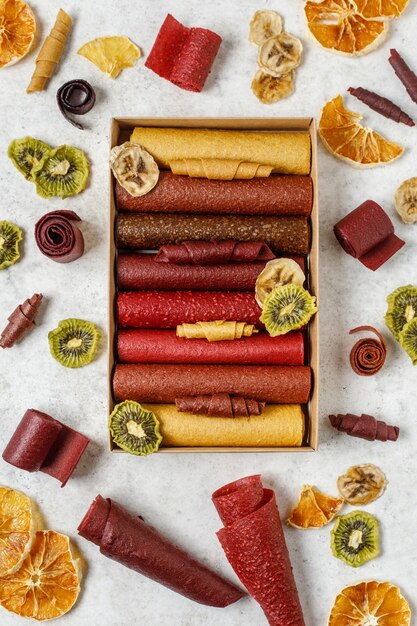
{"x": 168, "y": 309}
{"x": 58, "y": 237}
{"x": 367, "y": 234}
{"x": 364, "y": 427}
{"x": 127, "y": 539}
{"x": 254, "y": 543}
{"x": 219, "y": 405}
{"x": 183, "y": 55}
{"x": 163, "y": 346}
{"x": 275, "y": 195}
{"x": 214, "y": 252}
{"x": 163, "y": 383}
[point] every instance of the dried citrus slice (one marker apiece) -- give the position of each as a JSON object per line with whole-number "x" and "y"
{"x": 348, "y": 140}
{"x": 314, "y": 509}
{"x": 48, "y": 582}
{"x": 370, "y": 604}
{"x": 338, "y": 26}
{"x": 17, "y": 30}
{"x": 16, "y": 529}
{"x": 111, "y": 54}
{"x": 380, "y": 8}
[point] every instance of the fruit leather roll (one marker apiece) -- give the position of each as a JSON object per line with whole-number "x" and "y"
{"x": 275, "y": 195}
{"x": 163, "y": 346}
{"x": 279, "y": 425}
{"x": 279, "y": 384}
{"x": 286, "y": 152}
{"x": 168, "y": 309}
{"x": 286, "y": 235}
{"x": 127, "y": 539}
{"x": 254, "y": 543}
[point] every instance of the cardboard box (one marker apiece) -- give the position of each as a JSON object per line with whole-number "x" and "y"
{"x": 120, "y": 131}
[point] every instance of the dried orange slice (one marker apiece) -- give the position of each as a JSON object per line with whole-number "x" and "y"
{"x": 370, "y": 604}
{"x": 348, "y": 140}
{"x": 314, "y": 509}
{"x": 17, "y": 30}
{"x": 381, "y": 8}
{"x": 339, "y": 26}
{"x": 48, "y": 582}
{"x": 16, "y": 529}
{"x": 111, "y": 54}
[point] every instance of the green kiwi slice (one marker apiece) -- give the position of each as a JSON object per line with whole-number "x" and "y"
{"x": 26, "y": 154}
{"x": 402, "y": 308}
{"x": 10, "y": 235}
{"x": 355, "y": 538}
{"x": 134, "y": 429}
{"x": 408, "y": 339}
{"x": 286, "y": 308}
{"x": 62, "y": 172}
{"x": 74, "y": 343}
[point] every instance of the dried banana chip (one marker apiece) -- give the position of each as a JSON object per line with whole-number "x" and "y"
{"x": 280, "y": 54}
{"x": 269, "y": 89}
{"x": 276, "y": 273}
{"x": 406, "y": 201}
{"x": 134, "y": 168}
{"x": 362, "y": 484}
{"x": 263, "y": 26}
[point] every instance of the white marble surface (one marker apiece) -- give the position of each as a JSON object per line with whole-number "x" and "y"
{"x": 173, "y": 491}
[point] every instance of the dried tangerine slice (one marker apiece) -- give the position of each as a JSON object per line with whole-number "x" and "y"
{"x": 17, "y": 30}
{"x": 348, "y": 140}
{"x": 17, "y": 529}
{"x": 338, "y": 26}
{"x": 370, "y": 603}
{"x": 314, "y": 509}
{"x": 47, "y": 584}
{"x": 381, "y": 8}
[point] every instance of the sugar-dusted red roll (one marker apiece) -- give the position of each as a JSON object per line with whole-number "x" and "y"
{"x": 275, "y": 195}
{"x": 58, "y": 236}
{"x": 214, "y": 252}
{"x": 128, "y": 540}
{"x": 183, "y": 55}
{"x": 367, "y": 234}
{"x": 163, "y": 383}
{"x": 163, "y": 346}
{"x": 254, "y": 543}
{"x": 168, "y": 309}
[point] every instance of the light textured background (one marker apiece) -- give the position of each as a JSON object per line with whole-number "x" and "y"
{"x": 173, "y": 491}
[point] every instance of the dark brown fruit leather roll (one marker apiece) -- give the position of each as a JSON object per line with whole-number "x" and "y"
{"x": 275, "y": 195}
{"x": 163, "y": 383}
{"x": 58, "y": 236}
{"x": 219, "y": 405}
{"x": 128, "y": 540}
{"x": 150, "y": 231}
{"x": 214, "y": 252}
{"x": 365, "y": 427}
{"x": 20, "y": 321}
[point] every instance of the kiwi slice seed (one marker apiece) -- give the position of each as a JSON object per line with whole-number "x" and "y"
{"x": 26, "y": 154}
{"x": 74, "y": 343}
{"x": 286, "y": 308}
{"x": 10, "y": 235}
{"x": 355, "y": 538}
{"x": 62, "y": 172}
{"x": 408, "y": 339}
{"x": 134, "y": 429}
{"x": 402, "y": 308}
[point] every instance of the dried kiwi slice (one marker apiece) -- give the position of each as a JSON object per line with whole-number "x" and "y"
{"x": 10, "y": 235}
{"x": 134, "y": 428}
{"x": 402, "y": 308}
{"x": 408, "y": 339}
{"x": 62, "y": 172}
{"x": 355, "y": 538}
{"x": 286, "y": 308}
{"x": 26, "y": 154}
{"x": 74, "y": 343}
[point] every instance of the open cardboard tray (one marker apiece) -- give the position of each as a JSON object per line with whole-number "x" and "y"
{"x": 120, "y": 131}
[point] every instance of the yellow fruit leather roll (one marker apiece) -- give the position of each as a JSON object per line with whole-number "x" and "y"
{"x": 219, "y": 330}
{"x": 286, "y": 152}
{"x": 279, "y": 425}
{"x": 219, "y": 169}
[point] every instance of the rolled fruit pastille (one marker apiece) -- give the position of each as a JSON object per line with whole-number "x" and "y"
{"x": 214, "y": 252}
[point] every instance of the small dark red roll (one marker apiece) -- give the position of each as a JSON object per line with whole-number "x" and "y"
{"x": 368, "y": 355}
{"x": 58, "y": 236}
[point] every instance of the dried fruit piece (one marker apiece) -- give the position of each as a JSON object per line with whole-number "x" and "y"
{"x": 368, "y": 355}
{"x": 62, "y": 172}
{"x": 370, "y": 604}
{"x": 17, "y": 530}
{"x": 134, "y": 429}
{"x": 264, "y": 25}
{"x": 355, "y": 538}
{"x": 111, "y": 54}
{"x": 77, "y": 97}
{"x": 280, "y": 54}
{"x": 26, "y": 154}
{"x": 74, "y": 343}
{"x": 20, "y": 321}
{"x": 365, "y": 427}
{"x": 402, "y": 308}
{"x": 134, "y": 168}
{"x": 362, "y": 484}
{"x": 47, "y": 584}
{"x": 287, "y": 307}
{"x": 276, "y": 273}
{"x": 408, "y": 339}
{"x": 269, "y": 89}
{"x": 10, "y": 235}
{"x": 404, "y": 73}
{"x": 380, "y": 8}
{"x": 314, "y": 509}
{"x": 381, "y": 105}
{"x": 348, "y": 140}
{"x": 406, "y": 201}
{"x": 17, "y": 31}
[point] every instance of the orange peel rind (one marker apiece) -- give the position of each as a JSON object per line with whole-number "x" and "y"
{"x": 314, "y": 509}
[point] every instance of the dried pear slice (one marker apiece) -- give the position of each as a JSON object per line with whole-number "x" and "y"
{"x": 10, "y": 236}
{"x": 280, "y": 55}
{"x": 406, "y": 201}
{"x": 275, "y": 273}
{"x": 269, "y": 89}
{"x": 355, "y": 538}
{"x": 134, "y": 168}
{"x": 62, "y": 172}
{"x": 402, "y": 308}
{"x": 287, "y": 307}
{"x": 134, "y": 428}
{"x": 408, "y": 339}
{"x": 314, "y": 509}
{"x": 264, "y": 25}
{"x": 362, "y": 484}
{"x": 26, "y": 154}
